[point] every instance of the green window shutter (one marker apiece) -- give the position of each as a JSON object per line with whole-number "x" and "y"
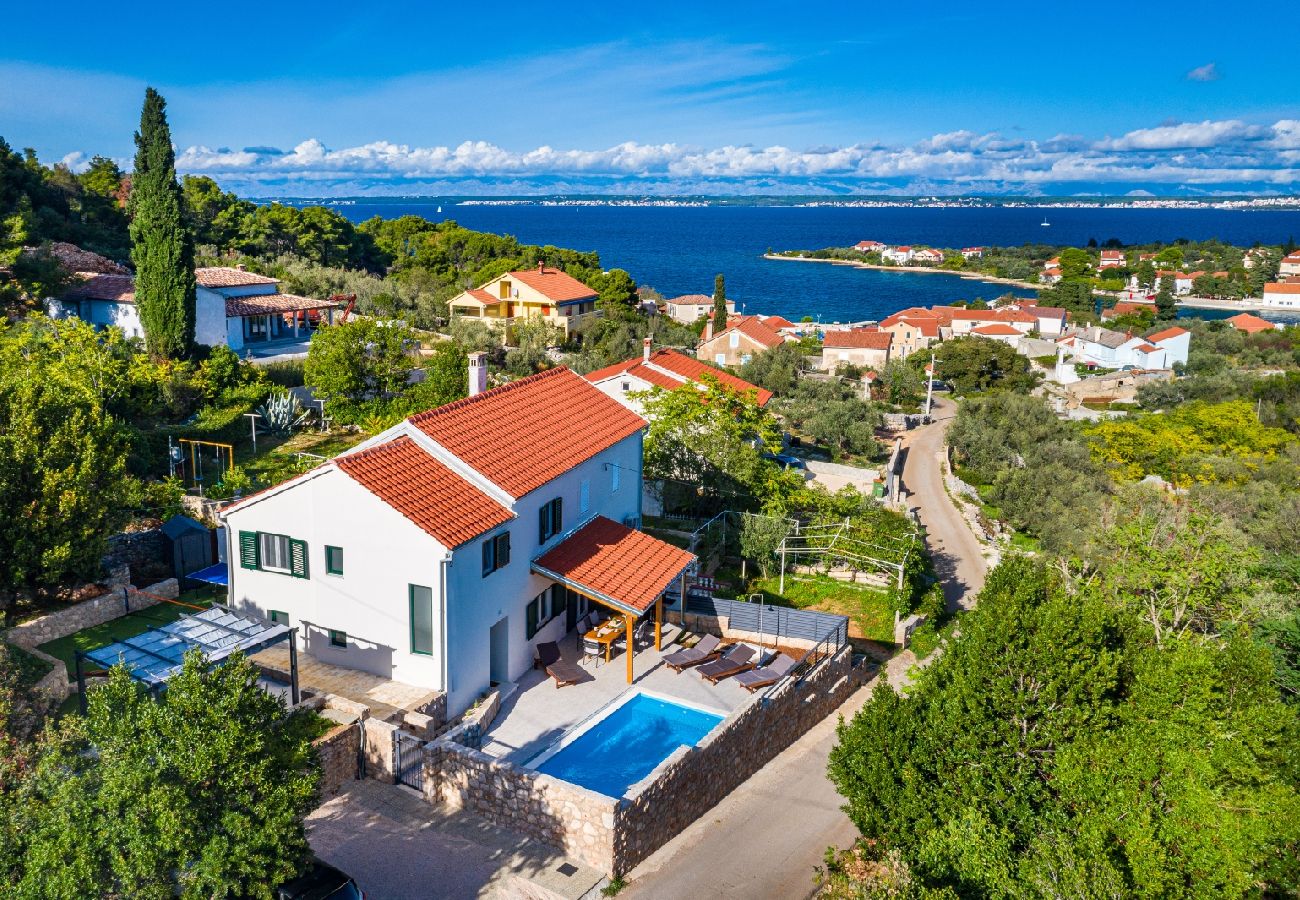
{"x": 248, "y": 550}
{"x": 559, "y": 599}
{"x": 557, "y": 525}
{"x": 298, "y": 558}
{"x": 543, "y": 523}
{"x": 503, "y": 550}
{"x": 531, "y": 628}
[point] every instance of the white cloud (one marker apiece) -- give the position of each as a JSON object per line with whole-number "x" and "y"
{"x": 1207, "y": 72}
{"x": 1227, "y": 152}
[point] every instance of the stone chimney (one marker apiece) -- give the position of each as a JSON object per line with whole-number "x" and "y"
{"x": 541, "y": 267}
{"x": 241, "y": 267}
{"x": 645, "y": 350}
{"x": 708, "y": 328}
{"x": 477, "y": 373}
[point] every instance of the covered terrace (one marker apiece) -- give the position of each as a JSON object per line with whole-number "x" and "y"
{"x": 622, "y": 570}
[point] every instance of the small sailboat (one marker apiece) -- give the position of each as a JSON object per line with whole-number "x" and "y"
{"x": 439, "y": 209}
{"x": 1045, "y": 223}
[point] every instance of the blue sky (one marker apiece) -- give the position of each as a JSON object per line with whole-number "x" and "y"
{"x": 497, "y": 98}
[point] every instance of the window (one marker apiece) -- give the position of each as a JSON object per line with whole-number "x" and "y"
{"x": 545, "y": 607}
{"x": 278, "y": 617}
{"x": 505, "y": 290}
{"x": 720, "y": 358}
{"x": 338, "y": 638}
{"x": 421, "y": 619}
{"x": 275, "y": 552}
{"x": 496, "y": 553}
{"x": 613, "y": 477}
{"x": 584, "y": 495}
{"x": 550, "y": 520}
{"x": 735, "y": 339}
{"x": 334, "y": 560}
{"x": 627, "y": 386}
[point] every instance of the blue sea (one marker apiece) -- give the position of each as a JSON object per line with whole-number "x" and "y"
{"x": 678, "y": 250}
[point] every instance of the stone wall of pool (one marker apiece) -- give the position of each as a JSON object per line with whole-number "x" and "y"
{"x": 613, "y": 835}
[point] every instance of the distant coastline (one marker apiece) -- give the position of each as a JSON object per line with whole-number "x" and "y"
{"x": 917, "y": 270}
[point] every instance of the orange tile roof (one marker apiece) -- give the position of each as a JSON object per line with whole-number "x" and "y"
{"x": 778, "y": 322}
{"x": 525, "y": 433}
{"x": 1282, "y": 287}
{"x": 681, "y": 368}
{"x": 1043, "y": 312}
{"x": 858, "y": 339}
{"x": 264, "y": 304}
{"x": 483, "y": 296}
{"x": 753, "y": 327}
{"x": 435, "y": 498}
{"x": 1248, "y": 323}
{"x": 626, "y": 567}
{"x": 1124, "y": 308}
{"x": 115, "y": 288}
{"x": 1146, "y": 348}
{"x": 556, "y": 286}
{"x": 690, "y": 300}
{"x": 996, "y": 328}
{"x": 1166, "y": 334}
{"x": 225, "y": 276}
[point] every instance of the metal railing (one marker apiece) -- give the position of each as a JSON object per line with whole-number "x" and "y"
{"x": 823, "y": 650}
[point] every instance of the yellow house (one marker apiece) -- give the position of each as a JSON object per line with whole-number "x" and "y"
{"x": 557, "y": 297}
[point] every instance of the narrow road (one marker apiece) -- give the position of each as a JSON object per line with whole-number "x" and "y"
{"x": 765, "y": 838}
{"x": 958, "y": 556}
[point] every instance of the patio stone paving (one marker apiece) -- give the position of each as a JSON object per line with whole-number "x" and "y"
{"x": 537, "y": 713}
{"x": 386, "y": 698}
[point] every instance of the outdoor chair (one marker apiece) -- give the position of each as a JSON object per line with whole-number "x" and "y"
{"x": 640, "y": 635}
{"x": 705, "y": 650}
{"x": 768, "y": 674}
{"x": 733, "y": 662}
{"x": 548, "y": 657}
{"x": 592, "y": 650}
{"x": 584, "y": 625}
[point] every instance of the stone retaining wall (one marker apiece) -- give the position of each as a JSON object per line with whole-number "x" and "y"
{"x": 577, "y": 821}
{"x": 337, "y": 750}
{"x": 614, "y": 835}
{"x": 381, "y": 750}
{"x": 87, "y": 614}
{"x": 693, "y": 780}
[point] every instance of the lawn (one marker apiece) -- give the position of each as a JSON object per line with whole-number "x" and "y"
{"x": 869, "y": 608}
{"x": 277, "y": 462}
{"x": 129, "y": 625}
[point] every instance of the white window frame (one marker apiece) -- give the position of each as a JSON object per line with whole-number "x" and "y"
{"x": 280, "y": 542}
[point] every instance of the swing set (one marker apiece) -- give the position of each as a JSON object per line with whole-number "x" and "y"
{"x": 222, "y": 460}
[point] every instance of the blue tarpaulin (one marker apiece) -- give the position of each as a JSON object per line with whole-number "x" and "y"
{"x": 212, "y": 575}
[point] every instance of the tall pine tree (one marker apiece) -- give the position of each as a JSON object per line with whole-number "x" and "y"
{"x": 719, "y": 303}
{"x": 1166, "y": 304}
{"x": 161, "y": 247}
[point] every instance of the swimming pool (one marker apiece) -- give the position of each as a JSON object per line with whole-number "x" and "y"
{"x": 626, "y": 745}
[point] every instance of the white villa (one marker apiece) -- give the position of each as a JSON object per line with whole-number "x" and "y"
{"x": 900, "y": 255}
{"x": 555, "y": 296}
{"x": 1109, "y": 349}
{"x": 1290, "y": 265}
{"x": 232, "y": 306}
{"x": 1281, "y": 295}
{"x": 440, "y": 552}
{"x": 665, "y": 368}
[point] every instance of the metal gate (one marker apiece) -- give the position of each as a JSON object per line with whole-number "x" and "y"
{"x": 410, "y": 760}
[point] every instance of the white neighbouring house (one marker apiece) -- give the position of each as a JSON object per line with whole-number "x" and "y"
{"x": 928, "y": 255}
{"x": 900, "y": 255}
{"x": 667, "y": 369}
{"x": 441, "y": 551}
{"x": 232, "y": 306}
{"x": 861, "y": 347}
{"x": 973, "y": 252}
{"x": 870, "y": 246}
{"x": 1176, "y": 342}
{"x": 998, "y": 331}
{"x": 1109, "y": 349}
{"x": 1281, "y": 295}
{"x": 1290, "y": 265}
{"x": 1111, "y": 259}
{"x": 690, "y": 308}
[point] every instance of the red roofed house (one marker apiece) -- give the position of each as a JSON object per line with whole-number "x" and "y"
{"x": 1290, "y": 264}
{"x": 1249, "y": 323}
{"x": 1050, "y": 275}
{"x": 998, "y": 331}
{"x": 928, "y": 256}
{"x": 690, "y": 308}
{"x": 555, "y": 296}
{"x": 666, "y": 369}
{"x": 973, "y": 252}
{"x": 861, "y": 347}
{"x": 900, "y": 255}
{"x": 965, "y": 320}
{"x": 1125, "y": 308}
{"x": 1175, "y": 341}
{"x": 1282, "y": 295}
{"x": 739, "y": 342}
{"x": 913, "y": 329}
{"x": 869, "y": 246}
{"x": 440, "y": 552}
{"x": 232, "y": 306}
{"x": 1111, "y": 259}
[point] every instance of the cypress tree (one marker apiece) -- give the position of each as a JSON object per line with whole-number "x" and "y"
{"x": 719, "y": 303}
{"x": 1166, "y": 304}
{"x": 162, "y": 249}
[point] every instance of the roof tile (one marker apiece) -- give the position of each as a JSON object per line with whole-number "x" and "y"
{"x": 557, "y": 286}
{"x": 225, "y": 276}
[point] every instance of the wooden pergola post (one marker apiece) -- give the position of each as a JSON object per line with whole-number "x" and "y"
{"x": 628, "y": 622}
{"x": 659, "y": 621}
{"x": 681, "y": 596}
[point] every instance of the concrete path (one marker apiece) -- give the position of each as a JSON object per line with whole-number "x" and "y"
{"x": 398, "y": 847}
{"x": 957, "y": 554}
{"x": 765, "y": 839}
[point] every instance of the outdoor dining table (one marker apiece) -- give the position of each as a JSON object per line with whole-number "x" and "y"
{"x": 606, "y": 634}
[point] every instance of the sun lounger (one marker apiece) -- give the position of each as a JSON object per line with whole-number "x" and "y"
{"x": 733, "y": 662}
{"x": 566, "y": 673}
{"x": 545, "y": 654}
{"x": 704, "y": 651}
{"x": 768, "y": 674}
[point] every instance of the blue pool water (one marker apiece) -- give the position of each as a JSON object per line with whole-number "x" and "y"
{"x": 627, "y": 744}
